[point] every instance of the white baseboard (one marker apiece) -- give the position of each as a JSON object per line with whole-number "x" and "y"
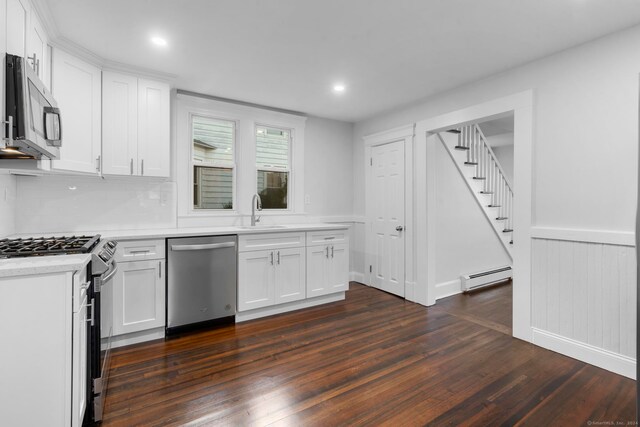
{"x": 283, "y": 308}
{"x": 355, "y": 276}
{"x": 604, "y": 359}
{"x": 446, "y": 289}
{"x": 137, "y": 337}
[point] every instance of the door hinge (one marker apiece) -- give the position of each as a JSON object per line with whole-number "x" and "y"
{"x": 370, "y": 269}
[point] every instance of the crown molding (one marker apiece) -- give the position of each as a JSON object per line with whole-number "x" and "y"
{"x": 43, "y": 10}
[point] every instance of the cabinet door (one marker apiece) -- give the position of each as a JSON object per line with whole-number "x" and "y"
{"x": 79, "y": 369}
{"x": 76, "y": 85}
{"x": 338, "y": 274}
{"x": 37, "y": 48}
{"x": 138, "y": 296}
{"x": 256, "y": 272}
{"x": 153, "y": 128}
{"x": 317, "y": 259}
{"x": 290, "y": 280}
{"x": 120, "y": 124}
{"x": 17, "y": 22}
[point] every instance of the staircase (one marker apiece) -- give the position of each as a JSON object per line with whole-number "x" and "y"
{"x": 480, "y": 169}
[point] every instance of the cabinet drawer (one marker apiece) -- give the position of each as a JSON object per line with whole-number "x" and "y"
{"x": 259, "y": 242}
{"x": 136, "y": 250}
{"x": 323, "y": 237}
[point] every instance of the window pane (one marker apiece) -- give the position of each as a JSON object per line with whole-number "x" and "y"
{"x": 272, "y": 187}
{"x": 212, "y": 140}
{"x": 272, "y": 148}
{"x": 212, "y": 188}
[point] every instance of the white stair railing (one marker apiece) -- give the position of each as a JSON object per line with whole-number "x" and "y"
{"x": 488, "y": 169}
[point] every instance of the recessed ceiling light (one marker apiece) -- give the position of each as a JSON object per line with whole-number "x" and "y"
{"x": 158, "y": 41}
{"x": 339, "y": 88}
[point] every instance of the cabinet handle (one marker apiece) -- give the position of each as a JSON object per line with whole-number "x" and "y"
{"x": 98, "y": 164}
{"x": 142, "y": 167}
{"x": 35, "y": 64}
{"x": 93, "y": 312}
{"x": 327, "y": 255}
{"x": 271, "y": 258}
{"x": 131, "y": 166}
{"x": 331, "y": 251}
{"x": 160, "y": 269}
{"x": 278, "y": 257}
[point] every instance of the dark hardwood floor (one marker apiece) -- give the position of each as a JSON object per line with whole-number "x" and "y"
{"x": 369, "y": 360}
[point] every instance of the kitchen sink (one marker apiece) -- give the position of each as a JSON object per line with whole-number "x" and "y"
{"x": 260, "y": 227}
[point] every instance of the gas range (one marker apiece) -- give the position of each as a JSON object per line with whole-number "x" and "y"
{"x": 40, "y": 246}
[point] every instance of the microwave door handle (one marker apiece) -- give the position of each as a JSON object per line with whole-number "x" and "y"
{"x": 9, "y": 123}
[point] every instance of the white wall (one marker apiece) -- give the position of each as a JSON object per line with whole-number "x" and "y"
{"x": 465, "y": 240}
{"x": 7, "y": 204}
{"x": 585, "y": 130}
{"x": 46, "y": 204}
{"x": 328, "y": 167}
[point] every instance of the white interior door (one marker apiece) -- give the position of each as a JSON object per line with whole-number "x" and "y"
{"x": 386, "y": 216}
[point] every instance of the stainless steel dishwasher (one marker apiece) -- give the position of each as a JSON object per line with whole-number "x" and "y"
{"x": 201, "y": 281}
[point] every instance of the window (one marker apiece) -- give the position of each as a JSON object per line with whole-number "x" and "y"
{"x": 213, "y": 163}
{"x": 273, "y": 166}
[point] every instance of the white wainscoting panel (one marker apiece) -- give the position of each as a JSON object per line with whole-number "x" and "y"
{"x": 586, "y": 292}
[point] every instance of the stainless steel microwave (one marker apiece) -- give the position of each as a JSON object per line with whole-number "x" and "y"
{"x": 34, "y": 129}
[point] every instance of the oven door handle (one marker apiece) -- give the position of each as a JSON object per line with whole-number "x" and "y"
{"x": 108, "y": 276}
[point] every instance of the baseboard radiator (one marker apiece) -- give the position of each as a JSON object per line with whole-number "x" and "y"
{"x": 482, "y": 279}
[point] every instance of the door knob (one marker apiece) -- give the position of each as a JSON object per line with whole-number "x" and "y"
{"x": 399, "y": 228}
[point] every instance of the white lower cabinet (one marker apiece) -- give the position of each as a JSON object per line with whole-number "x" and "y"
{"x": 43, "y": 374}
{"x": 80, "y": 342}
{"x": 327, "y": 264}
{"x": 138, "y": 296}
{"x": 270, "y": 277}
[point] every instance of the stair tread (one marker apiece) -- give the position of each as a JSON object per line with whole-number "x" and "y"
{"x": 511, "y": 242}
{"x": 479, "y": 177}
{"x": 507, "y": 230}
{"x": 494, "y": 206}
{"x": 461, "y": 147}
{"x": 501, "y": 218}
{"x": 470, "y": 163}
{"x": 486, "y": 192}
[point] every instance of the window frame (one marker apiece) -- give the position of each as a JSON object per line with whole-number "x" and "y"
{"x": 245, "y": 180}
{"x": 289, "y": 169}
{"x": 233, "y": 165}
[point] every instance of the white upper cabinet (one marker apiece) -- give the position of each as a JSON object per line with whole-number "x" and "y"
{"x": 120, "y": 127}
{"x": 37, "y": 49}
{"x": 153, "y": 128}
{"x": 136, "y": 134}
{"x": 27, "y": 38}
{"x": 17, "y": 22}
{"x": 76, "y": 85}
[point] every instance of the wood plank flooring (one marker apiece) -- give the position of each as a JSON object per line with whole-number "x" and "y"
{"x": 372, "y": 359}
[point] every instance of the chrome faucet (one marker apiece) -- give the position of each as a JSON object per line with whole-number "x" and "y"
{"x": 256, "y": 202}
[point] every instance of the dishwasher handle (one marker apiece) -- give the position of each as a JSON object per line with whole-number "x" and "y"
{"x": 206, "y": 246}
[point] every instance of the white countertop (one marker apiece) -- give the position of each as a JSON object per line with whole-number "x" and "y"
{"x": 42, "y": 264}
{"x": 162, "y": 233}
{"x": 60, "y": 263}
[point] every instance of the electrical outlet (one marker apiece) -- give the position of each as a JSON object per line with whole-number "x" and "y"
{"x": 307, "y": 199}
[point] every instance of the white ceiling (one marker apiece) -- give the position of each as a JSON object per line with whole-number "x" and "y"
{"x": 289, "y": 53}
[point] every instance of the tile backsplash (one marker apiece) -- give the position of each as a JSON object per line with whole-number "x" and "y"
{"x": 47, "y": 204}
{"x": 7, "y": 204}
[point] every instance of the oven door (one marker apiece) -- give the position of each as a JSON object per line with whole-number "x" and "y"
{"x": 103, "y": 332}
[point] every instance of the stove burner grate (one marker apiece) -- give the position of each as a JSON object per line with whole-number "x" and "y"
{"x": 39, "y": 246}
